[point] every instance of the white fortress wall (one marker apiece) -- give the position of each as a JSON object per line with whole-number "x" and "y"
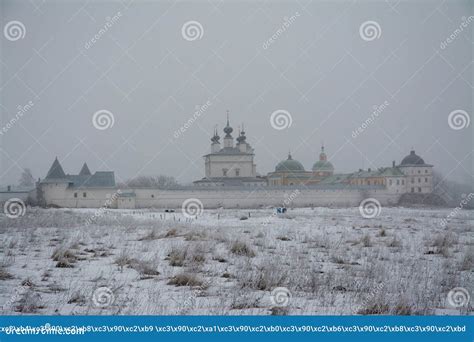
{"x": 61, "y": 196}
{"x": 259, "y": 198}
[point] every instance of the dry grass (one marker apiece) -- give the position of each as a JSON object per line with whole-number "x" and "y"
{"x": 177, "y": 256}
{"x": 337, "y": 259}
{"x": 77, "y": 298}
{"x": 394, "y": 243}
{"x": 4, "y": 274}
{"x": 242, "y": 248}
{"x": 145, "y": 268}
{"x": 366, "y": 241}
{"x": 442, "y": 243}
{"x": 150, "y": 236}
{"x": 65, "y": 257}
{"x": 29, "y": 303}
{"x": 264, "y": 277}
{"x": 467, "y": 262}
{"x": 184, "y": 255}
{"x": 173, "y": 232}
{"x": 185, "y": 279}
{"x": 374, "y": 309}
{"x": 322, "y": 262}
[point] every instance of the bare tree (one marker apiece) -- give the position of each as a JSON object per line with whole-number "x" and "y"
{"x": 26, "y": 178}
{"x": 452, "y": 192}
{"x": 160, "y": 181}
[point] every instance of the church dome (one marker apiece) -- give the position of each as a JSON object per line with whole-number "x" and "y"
{"x": 321, "y": 165}
{"x": 289, "y": 165}
{"x": 227, "y": 129}
{"x": 412, "y": 159}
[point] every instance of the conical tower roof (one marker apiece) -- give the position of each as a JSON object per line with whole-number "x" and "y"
{"x": 85, "y": 170}
{"x": 56, "y": 170}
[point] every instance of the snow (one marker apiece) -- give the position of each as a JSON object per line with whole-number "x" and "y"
{"x": 332, "y": 261}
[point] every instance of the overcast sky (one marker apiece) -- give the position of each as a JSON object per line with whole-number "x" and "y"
{"x": 321, "y": 67}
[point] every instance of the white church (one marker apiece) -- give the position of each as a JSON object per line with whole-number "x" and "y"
{"x": 230, "y": 164}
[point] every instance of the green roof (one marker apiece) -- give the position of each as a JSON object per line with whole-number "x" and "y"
{"x": 100, "y": 179}
{"x": 289, "y": 165}
{"x": 391, "y": 172}
{"x": 321, "y": 165}
{"x": 381, "y": 172}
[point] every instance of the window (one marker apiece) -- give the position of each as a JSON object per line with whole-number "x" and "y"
{"x": 84, "y": 194}
{"x": 237, "y": 172}
{"x": 75, "y": 195}
{"x": 368, "y": 182}
{"x": 419, "y": 180}
{"x": 152, "y": 196}
{"x": 398, "y": 181}
{"x": 412, "y": 189}
{"x": 426, "y": 180}
{"x": 419, "y": 189}
{"x": 390, "y": 182}
{"x": 419, "y": 171}
{"x": 426, "y": 171}
{"x": 403, "y": 182}
{"x": 412, "y": 180}
{"x": 224, "y": 172}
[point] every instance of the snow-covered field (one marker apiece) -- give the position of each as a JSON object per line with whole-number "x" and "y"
{"x": 310, "y": 261}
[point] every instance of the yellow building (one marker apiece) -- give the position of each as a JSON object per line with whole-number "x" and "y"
{"x": 292, "y": 172}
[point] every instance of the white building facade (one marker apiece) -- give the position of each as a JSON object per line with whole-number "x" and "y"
{"x": 231, "y": 163}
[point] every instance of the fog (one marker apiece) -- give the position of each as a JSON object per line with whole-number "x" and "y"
{"x": 311, "y": 59}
